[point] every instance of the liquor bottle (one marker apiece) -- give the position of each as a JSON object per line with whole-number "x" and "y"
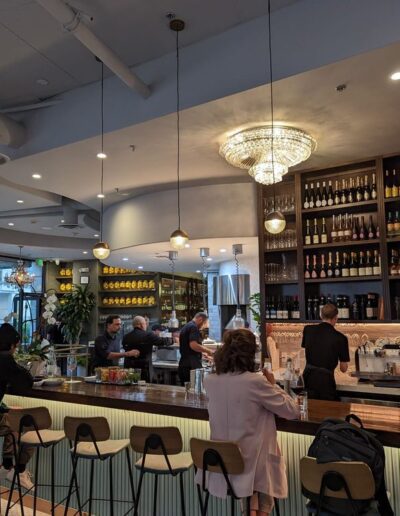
{"x": 337, "y": 270}
{"x": 285, "y": 309}
{"x": 272, "y": 309}
{"x": 267, "y": 308}
{"x": 315, "y": 235}
{"x": 345, "y": 266}
{"x": 396, "y": 223}
{"x": 355, "y": 309}
{"x": 363, "y": 230}
{"x": 322, "y": 272}
{"x": 334, "y": 233}
{"x": 324, "y": 195}
{"x": 350, "y": 192}
{"x": 367, "y": 189}
{"x": 307, "y": 238}
{"x": 377, "y": 231}
{"x": 340, "y": 231}
{"x": 336, "y": 198}
{"x": 316, "y": 307}
{"x": 359, "y": 191}
{"x": 312, "y": 196}
{"x": 318, "y": 196}
{"x": 347, "y": 228}
{"x": 306, "y": 203}
{"x": 371, "y": 230}
{"x": 330, "y": 194}
{"x": 329, "y": 299}
{"x": 321, "y": 304}
{"x": 345, "y": 308}
{"x": 343, "y": 193}
{"x": 329, "y": 268}
{"x": 353, "y": 265}
{"x": 361, "y": 265}
{"x": 394, "y": 263}
{"x": 368, "y": 264}
{"x": 279, "y": 309}
{"x": 388, "y": 185}
{"x": 295, "y": 308}
{"x": 395, "y": 185}
{"x": 362, "y": 308}
{"x": 374, "y": 191}
{"x": 389, "y": 224}
{"x": 324, "y": 233}
{"x": 307, "y": 270}
{"x": 376, "y": 266}
{"x": 314, "y": 269}
{"x": 369, "y": 308}
{"x": 354, "y": 235}
{"x": 310, "y": 309}
{"x": 339, "y": 306}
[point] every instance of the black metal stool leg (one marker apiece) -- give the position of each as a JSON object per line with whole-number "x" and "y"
{"x": 91, "y": 485}
{"x": 36, "y": 479}
{"x": 155, "y": 495}
{"x": 73, "y": 475}
{"x": 138, "y": 493}
{"x": 276, "y": 506}
{"x": 182, "y": 493}
{"x": 53, "y": 481}
{"x": 128, "y": 460}
{"x": 205, "y": 507}
{"x": 199, "y": 495}
{"x": 232, "y": 506}
{"x": 248, "y": 505}
{"x": 111, "y": 479}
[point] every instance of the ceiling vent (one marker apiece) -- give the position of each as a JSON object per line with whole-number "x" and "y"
{"x": 70, "y": 218}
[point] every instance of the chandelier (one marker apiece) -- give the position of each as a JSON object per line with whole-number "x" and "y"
{"x": 19, "y": 275}
{"x": 268, "y": 151}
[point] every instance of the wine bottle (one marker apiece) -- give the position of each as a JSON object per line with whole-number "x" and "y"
{"x": 329, "y": 268}
{"x": 355, "y": 310}
{"x": 337, "y": 193}
{"x": 345, "y": 308}
{"x": 345, "y": 266}
{"x": 359, "y": 192}
{"x": 363, "y": 230}
{"x": 374, "y": 192}
{"x": 296, "y": 308}
{"x": 306, "y": 203}
{"x": 376, "y": 266}
{"x": 361, "y": 264}
{"x": 330, "y": 194}
{"x": 395, "y": 185}
{"x": 314, "y": 270}
{"x": 310, "y": 314}
{"x": 354, "y": 235}
{"x": 318, "y": 196}
{"x": 324, "y": 197}
{"x": 367, "y": 189}
{"x": 324, "y": 234}
{"x": 307, "y": 270}
{"x": 389, "y": 224}
{"x": 337, "y": 271}
{"x": 371, "y": 229}
{"x": 322, "y": 303}
{"x": 312, "y": 196}
{"x": 396, "y": 223}
{"x": 322, "y": 272}
{"x": 307, "y": 238}
{"x": 350, "y": 197}
{"x": 368, "y": 264}
{"x": 285, "y": 309}
{"x": 388, "y": 185}
{"x": 316, "y": 307}
{"x": 267, "y": 308}
{"x": 315, "y": 236}
{"x": 334, "y": 233}
{"x": 377, "y": 231}
{"x": 279, "y": 309}
{"x": 340, "y": 231}
{"x": 343, "y": 193}
{"x": 347, "y": 228}
{"x": 353, "y": 265}
{"x": 393, "y": 270}
{"x": 369, "y": 308}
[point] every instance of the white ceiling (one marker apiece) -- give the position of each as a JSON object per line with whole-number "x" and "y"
{"x": 39, "y": 48}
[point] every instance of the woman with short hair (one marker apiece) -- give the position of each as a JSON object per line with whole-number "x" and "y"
{"x": 242, "y": 408}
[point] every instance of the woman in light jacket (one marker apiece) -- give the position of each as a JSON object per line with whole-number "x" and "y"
{"x": 242, "y": 408}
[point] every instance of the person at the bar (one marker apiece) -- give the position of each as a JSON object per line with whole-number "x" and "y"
{"x": 107, "y": 349}
{"x": 190, "y": 346}
{"x": 242, "y": 408}
{"x": 17, "y": 380}
{"x": 142, "y": 340}
{"x": 325, "y": 348}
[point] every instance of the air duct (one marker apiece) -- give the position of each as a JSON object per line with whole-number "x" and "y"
{"x": 12, "y": 133}
{"x": 225, "y": 290}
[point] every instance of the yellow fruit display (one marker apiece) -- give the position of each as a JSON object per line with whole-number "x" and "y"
{"x": 68, "y": 287}
{"x": 145, "y": 284}
{"x": 111, "y": 270}
{"x": 116, "y": 270}
{"x": 134, "y": 284}
{"x": 121, "y": 300}
{"x": 140, "y": 284}
{"x": 105, "y": 300}
{"x": 111, "y": 301}
{"x": 134, "y": 300}
{"x": 122, "y": 284}
{"x": 111, "y": 285}
{"x": 152, "y": 300}
{"x": 140, "y": 301}
{"x": 68, "y": 272}
{"x": 128, "y": 301}
{"x": 116, "y": 285}
{"x": 106, "y": 270}
{"x": 152, "y": 284}
{"x": 128, "y": 284}
{"x": 62, "y": 287}
{"x": 62, "y": 272}
{"x": 105, "y": 285}
{"x": 145, "y": 300}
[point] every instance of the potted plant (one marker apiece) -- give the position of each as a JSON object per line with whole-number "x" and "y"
{"x": 34, "y": 357}
{"x": 255, "y": 308}
{"x": 75, "y": 312}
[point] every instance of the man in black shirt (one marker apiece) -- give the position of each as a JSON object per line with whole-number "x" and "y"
{"x": 142, "y": 341}
{"x": 190, "y": 347}
{"x": 325, "y": 347}
{"x": 107, "y": 348}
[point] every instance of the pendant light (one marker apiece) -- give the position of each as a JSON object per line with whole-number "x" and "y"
{"x": 173, "y": 323}
{"x": 101, "y": 250}
{"x": 237, "y": 320}
{"x": 179, "y": 237}
{"x": 275, "y": 221}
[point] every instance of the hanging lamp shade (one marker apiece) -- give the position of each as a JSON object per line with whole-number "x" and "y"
{"x": 178, "y": 239}
{"x": 101, "y": 251}
{"x": 275, "y": 222}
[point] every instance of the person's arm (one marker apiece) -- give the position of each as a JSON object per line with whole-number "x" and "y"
{"x": 100, "y": 345}
{"x": 159, "y": 342}
{"x": 273, "y": 398}
{"x": 194, "y": 344}
{"x": 20, "y": 379}
{"x": 344, "y": 355}
{"x": 115, "y": 354}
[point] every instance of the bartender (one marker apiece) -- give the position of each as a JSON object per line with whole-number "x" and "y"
{"x": 325, "y": 347}
{"x": 190, "y": 346}
{"x": 107, "y": 349}
{"x": 142, "y": 341}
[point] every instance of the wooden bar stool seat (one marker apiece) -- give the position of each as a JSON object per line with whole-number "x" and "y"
{"x": 43, "y": 437}
{"x": 161, "y": 449}
{"x": 102, "y": 449}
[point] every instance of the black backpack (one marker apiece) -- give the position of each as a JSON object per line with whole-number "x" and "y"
{"x": 339, "y": 440}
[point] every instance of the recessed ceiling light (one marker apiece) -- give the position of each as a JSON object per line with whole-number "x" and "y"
{"x": 187, "y": 246}
{"x": 140, "y": 266}
{"x": 222, "y": 250}
{"x": 10, "y": 224}
{"x": 84, "y": 252}
{"x": 96, "y": 235}
{"x": 209, "y": 259}
{"x": 20, "y": 201}
{"x": 101, "y": 155}
{"x": 42, "y": 81}
{"x": 36, "y": 176}
{"x": 62, "y": 221}
{"x": 198, "y": 272}
{"x": 125, "y": 259}
{"x": 100, "y": 196}
{"x": 395, "y": 76}
{"x": 46, "y": 227}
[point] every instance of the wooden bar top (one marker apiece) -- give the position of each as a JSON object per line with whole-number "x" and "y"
{"x": 167, "y": 400}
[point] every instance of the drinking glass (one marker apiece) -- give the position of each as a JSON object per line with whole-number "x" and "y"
{"x": 302, "y": 401}
{"x": 71, "y": 365}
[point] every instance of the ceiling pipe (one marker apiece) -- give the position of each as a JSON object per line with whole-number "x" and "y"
{"x": 12, "y": 133}
{"x": 72, "y": 22}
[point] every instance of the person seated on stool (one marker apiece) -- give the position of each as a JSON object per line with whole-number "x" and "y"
{"x": 142, "y": 341}
{"x": 17, "y": 380}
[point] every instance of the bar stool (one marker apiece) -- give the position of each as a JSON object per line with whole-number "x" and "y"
{"x": 32, "y": 427}
{"x": 89, "y": 439}
{"x": 341, "y": 481}
{"x": 161, "y": 449}
{"x": 223, "y": 457}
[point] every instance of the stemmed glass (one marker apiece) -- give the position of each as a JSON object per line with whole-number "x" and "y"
{"x": 71, "y": 365}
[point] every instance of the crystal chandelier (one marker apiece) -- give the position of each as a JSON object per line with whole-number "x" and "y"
{"x": 19, "y": 275}
{"x": 268, "y": 151}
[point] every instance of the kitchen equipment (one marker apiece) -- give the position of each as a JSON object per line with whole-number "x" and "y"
{"x": 168, "y": 354}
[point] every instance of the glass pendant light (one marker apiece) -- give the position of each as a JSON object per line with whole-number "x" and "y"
{"x": 179, "y": 237}
{"x": 237, "y": 320}
{"x": 275, "y": 221}
{"x": 101, "y": 250}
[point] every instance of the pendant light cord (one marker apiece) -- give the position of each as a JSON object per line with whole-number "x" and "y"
{"x": 204, "y": 274}
{"x": 102, "y": 150}
{"x": 178, "y": 129}
{"x": 172, "y": 264}
{"x": 237, "y": 282}
{"x": 271, "y": 97}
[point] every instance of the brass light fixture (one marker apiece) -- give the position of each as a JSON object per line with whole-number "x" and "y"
{"x": 101, "y": 250}
{"x": 179, "y": 237}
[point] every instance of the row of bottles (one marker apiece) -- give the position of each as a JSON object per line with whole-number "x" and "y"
{"x": 126, "y": 301}
{"x": 394, "y": 265}
{"x": 351, "y": 264}
{"x": 346, "y": 191}
{"x": 118, "y": 270}
{"x": 392, "y": 187}
{"x": 393, "y": 224}
{"x": 129, "y": 285}
{"x": 286, "y": 307}
{"x": 363, "y": 307}
{"x": 344, "y": 228}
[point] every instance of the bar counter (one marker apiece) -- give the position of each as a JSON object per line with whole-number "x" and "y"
{"x": 159, "y": 405}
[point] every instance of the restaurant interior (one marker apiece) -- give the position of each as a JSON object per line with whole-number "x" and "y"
{"x": 238, "y": 159}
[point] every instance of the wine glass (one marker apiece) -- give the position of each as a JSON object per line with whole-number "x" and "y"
{"x": 71, "y": 365}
